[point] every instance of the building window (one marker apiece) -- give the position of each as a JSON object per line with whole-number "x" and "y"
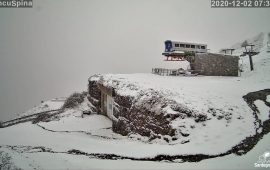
{"x": 187, "y": 46}
{"x": 192, "y": 46}
{"x": 182, "y": 45}
{"x": 176, "y": 45}
{"x": 198, "y": 47}
{"x": 202, "y": 47}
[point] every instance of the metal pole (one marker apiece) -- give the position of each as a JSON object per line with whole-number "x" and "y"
{"x": 250, "y": 58}
{"x": 250, "y": 61}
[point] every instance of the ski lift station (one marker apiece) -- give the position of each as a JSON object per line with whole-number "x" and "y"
{"x": 174, "y": 46}
{"x": 201, "y": 62}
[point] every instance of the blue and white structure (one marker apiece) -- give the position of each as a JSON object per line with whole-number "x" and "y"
{"x": 176, "y": 51}
{"x": 181, "y": 47}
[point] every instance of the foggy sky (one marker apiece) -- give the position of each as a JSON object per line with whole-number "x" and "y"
{"x": 50, "y": 50}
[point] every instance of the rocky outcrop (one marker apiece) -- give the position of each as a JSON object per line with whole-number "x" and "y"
{"x": 148, "y": 113}
{"x": 137, "y": 116}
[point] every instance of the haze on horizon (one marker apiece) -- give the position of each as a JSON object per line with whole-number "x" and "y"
{"x": 50, "y": 50}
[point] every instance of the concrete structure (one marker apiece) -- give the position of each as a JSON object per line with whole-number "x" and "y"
{"x": 211, "y": 64}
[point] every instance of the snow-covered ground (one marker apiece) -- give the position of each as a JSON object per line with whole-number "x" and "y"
{"x": 48, "y": 145}
{"x": 44, "y": 160}
{"x": 48, "y": 105}
{"x": 202, "y": 93}
{"x": 30, "y": 159}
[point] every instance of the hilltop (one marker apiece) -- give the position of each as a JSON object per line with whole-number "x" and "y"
{"x": 211, "y": 117}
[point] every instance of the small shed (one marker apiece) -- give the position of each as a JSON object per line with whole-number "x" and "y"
{"x": 211, "y": 64}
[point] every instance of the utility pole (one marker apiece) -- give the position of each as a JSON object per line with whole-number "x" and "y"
{"x": 250, "y": 53}
{"x": 268, "y": 43}
{"x": 250, "y": 62}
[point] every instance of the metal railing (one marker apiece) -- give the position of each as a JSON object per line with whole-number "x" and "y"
{"x": 168, "y": 72}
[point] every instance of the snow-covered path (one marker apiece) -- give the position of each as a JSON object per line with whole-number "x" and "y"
{"x": 45, "y": 160}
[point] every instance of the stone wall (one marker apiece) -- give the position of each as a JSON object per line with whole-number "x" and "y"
{"x": 211, "y": 64}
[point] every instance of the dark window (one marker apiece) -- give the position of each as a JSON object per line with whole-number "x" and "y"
{"x": 192, "y": 46}
{"x": 176, "y": 45}
{"x": 182, "y": 45}
{"x": 187, "y": 46}
{"x": 202, "y": 47}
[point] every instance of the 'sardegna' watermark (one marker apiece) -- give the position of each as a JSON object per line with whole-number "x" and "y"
{"x": 264, "y": 161}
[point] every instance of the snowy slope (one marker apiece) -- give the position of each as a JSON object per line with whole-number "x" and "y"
{"x": 48, "y": 105}
{"x": 203, "y": 94}
{"x": 46, "y": 160}
{"x": 46, "y": 145}
{"x": 259, "y": 41}
{"x": 218, "y": 92}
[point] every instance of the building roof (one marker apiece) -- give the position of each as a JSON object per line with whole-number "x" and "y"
{"x": 181, "y": 42}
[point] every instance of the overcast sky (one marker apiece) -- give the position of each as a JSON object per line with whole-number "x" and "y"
{"x": 50, "y": 50}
